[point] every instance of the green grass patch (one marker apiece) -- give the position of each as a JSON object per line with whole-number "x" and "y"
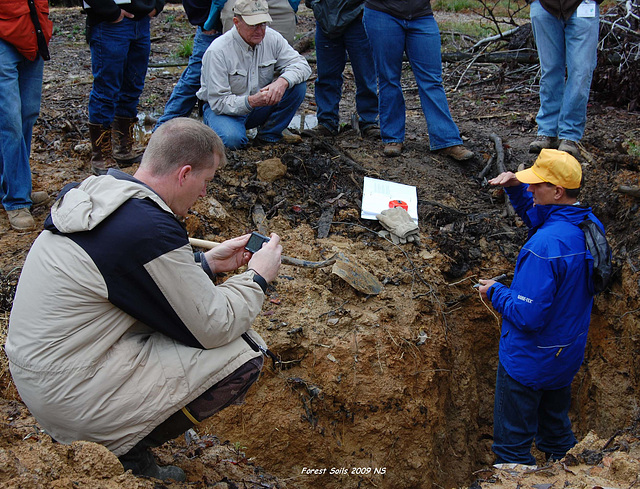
{"x": 473, "y": 29}
{"x": 186, "y": 48}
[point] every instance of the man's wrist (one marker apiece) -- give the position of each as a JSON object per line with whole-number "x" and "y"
{"x": 202, "y": 259}
{"x": 259, "y": 279}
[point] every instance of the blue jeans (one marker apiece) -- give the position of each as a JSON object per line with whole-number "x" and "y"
{"x": 183, "y": 98}
{"x": 20, "y": 92}
{"x": 331, "y": 59}
{"x": 390, "y": 37}
{"x": 270, "y": 120}
{"x": 564, "y": 46}
{"x": 119, "y": 60}
{"x": 521, "y": 414}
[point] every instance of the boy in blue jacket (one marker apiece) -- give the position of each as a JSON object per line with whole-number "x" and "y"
{"x": 545, "y": 312}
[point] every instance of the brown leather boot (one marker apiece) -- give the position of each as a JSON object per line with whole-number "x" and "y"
{"x": 100, "y": 148}
{"x": 123, "y": 139}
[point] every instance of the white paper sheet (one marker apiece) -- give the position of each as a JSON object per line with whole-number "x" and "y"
{"x": 376, "y": 195}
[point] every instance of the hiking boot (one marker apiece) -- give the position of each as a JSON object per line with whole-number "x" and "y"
{"x": 457, "y": 152}
{"x": 570, "y": 147}
{"x": 392, "y": 149}
{"x": 21, "y": 219}
{"x": 142, "y": 463}
{"x": 100, "y": 148}
{"x": 320, "y": 131}
{"x": 371, "y": 132}
{"x": 543, "y": 142}
{"x": 290, "y": 138}
{"x": 123, "y": 139}
{"x": 39, "y": 198}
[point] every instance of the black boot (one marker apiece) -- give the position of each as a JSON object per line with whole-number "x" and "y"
{"x": 141, "y": 462}
{"x": 123, "y": 139}
{"x": 100, "y": 148}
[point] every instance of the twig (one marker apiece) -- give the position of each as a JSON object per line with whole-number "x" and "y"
{"x": 487, "y": 167}
{"x": 501, "y": 168}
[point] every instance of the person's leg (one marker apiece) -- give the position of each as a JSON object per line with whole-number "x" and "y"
{"x": 109, "y": 45}
{"x": 20, "y": 91}
{"x": 359, "y": 49}
{"x": 135, "y": 68}
{"x": 554, "y": 436}
{"x": 331, "y": 59}
{"x": 423, "y": 50}
{"x": 581, "y": 38}
{"x": 515, "y": 420}
{"x": 230, "y": 390}
{"x": 232, "y": 130}
{"x": 183, "y": 97}
{"x": 548, "y": 32}
{"x": 272, "y": 120}
{"x": 387, "y": 38}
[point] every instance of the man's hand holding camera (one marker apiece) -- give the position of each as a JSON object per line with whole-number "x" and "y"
{"x": 231, "y": 255}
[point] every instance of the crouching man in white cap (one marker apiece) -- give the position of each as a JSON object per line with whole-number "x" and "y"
{"x": 545, "y": 311}
{"x": 251, "y": 77}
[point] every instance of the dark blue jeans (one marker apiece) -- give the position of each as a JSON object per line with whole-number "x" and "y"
{"x": 20, "y": 91}
{"x": 270, "y": 120}
{"x": 419, "y": 38}
{"x": 331, "y": 60}
{"x": 119, "y": 60}
{"x": 183, "y": 98}
{"x": 521, "y": 414}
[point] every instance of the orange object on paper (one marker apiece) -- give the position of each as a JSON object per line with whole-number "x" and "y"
{"x": 398, "y": 203}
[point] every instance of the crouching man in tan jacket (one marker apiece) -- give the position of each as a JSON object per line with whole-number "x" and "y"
{"x": 117, "y": 334}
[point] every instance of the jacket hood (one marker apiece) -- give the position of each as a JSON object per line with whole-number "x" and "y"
{"x": 82, "y": 207}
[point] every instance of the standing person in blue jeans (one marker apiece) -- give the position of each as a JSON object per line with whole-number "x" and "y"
{"x": 251, "y": 77}
{"x": 25, "y": 30}
{"x": 566, "y": 35}
{"x": 339, "y": 31}
{"x": 394, "y": 28}
{"x": 211, "y": 18}
{"x": 120, "y": 41}
{"x": 545, "y": 311}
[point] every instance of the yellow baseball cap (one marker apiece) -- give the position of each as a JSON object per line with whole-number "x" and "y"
{"x": 555, "y": 167}
{"x": 253, "y": 12}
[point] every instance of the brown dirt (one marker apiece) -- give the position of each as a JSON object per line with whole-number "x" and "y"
{"x": 396, "y": 389}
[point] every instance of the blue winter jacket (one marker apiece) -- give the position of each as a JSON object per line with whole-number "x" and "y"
{"x": 547, "y": 309}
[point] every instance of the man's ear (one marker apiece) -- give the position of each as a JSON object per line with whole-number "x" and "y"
{"x": 560, "y": 193}
{"x": 183, "y": 174}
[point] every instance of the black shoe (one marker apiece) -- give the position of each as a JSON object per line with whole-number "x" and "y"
{"x": 371, "y": 132}
{"x": 141, "y": 462}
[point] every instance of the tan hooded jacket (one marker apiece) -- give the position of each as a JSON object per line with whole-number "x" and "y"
{"x": 114, "y": 326}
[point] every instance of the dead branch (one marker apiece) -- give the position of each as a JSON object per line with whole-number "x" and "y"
{"x": 501, "y": 168}
{"x": 334, "y": 151}
{"x": 260, "y": 219}
{"x": 487, "y": 167}
{"x": 633, "y": 191}
{"x": 502, "y": 36}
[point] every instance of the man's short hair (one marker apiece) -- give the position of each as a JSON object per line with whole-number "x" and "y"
{"x": 182, "y": 141}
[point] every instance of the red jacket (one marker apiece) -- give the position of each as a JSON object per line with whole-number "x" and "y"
{"x": 18, "y": 28}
